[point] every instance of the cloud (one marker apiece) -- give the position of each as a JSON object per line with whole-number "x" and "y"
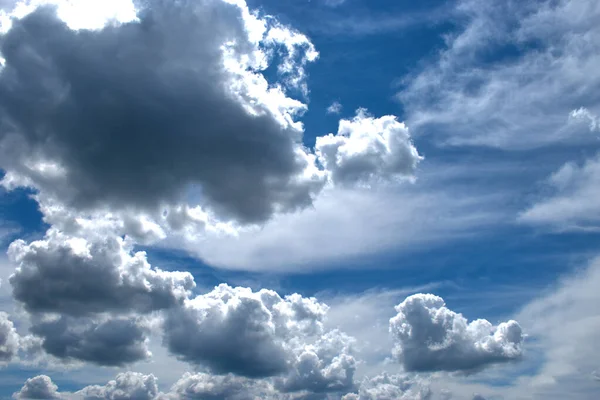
{"x": 564, "y": 326}
{"x": 9, "y": 339}
{"x": 328, "y": 365}
{"x": 334, "y": 3}
{"x": 134, "y": 106}
{"x": 430, "y": 337}
{"x": 112, "y": 341}
{"x": 334, "y": 108}
{"x": 77, "y": 276}
{"x": 509, "y": 74}
{"x": 398, "y": 387}
{"x": 207, "y": 386}
{"x": 584, "y": 115}
{"x": 39, "y": 387}
{"x": 129, "y": 385}
{"x": 365, "y": 148}
{"x": 260, "y": 334}
{"x": 573, "y": 201}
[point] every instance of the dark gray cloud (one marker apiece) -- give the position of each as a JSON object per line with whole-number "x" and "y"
{"x": 240, "y": 331}
{"x": 111, "y": 342}
{"x": 75, "y": 276}
{"x": 430, "y": 337}
{"x": 131, "y": 116}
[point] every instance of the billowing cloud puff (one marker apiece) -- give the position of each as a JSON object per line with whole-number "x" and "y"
{"x": 365, "y": 148}
{"x": 111, "y": 341}
{"x": 240, "y": 331}
{"x": 135, "y": 115}
{"x": 325, "y": 366}
{"x": 76, "y": 276}
{"x": 231, "y": 387}
{"x": 9, "y": 339}
{"x": 126, "y": 386}
{"x": 388, "y": 387}
{"x": 430, "y": 337}
{"x": 40, "y": 387}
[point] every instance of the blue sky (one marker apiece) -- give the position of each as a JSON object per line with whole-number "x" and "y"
{"x": 367, "y": 156}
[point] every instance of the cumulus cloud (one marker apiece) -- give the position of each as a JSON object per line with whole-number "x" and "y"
{"x": 126, "y": 126}
{"x": 365, "y": 148}
{"x": 430, "y": 337}
{"x": 572, "y": 203}
{"x": 135, "y": 114}
{"x": 397, "y": 387}
{"x": 126, "y": 386}
{"x": 240, "y": 331}
{"x": 328, "y": 365}
{"x": 207, "y": 386}
{"x": 40, "y": 387}
{"x": 111, "y": 341}
{"x": 9, "y": 339}
{"x": 77, "y": 276}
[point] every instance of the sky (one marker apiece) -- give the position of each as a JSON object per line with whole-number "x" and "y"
{"x": 299, "y": 199}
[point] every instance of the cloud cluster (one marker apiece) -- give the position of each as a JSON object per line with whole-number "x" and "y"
{"x": 260, "y": 334}
{"x": 178, "y": 117}
{"x": 397, "y": 387}
{"x": 431, "y": 337}
{"x": 170, "y": 111}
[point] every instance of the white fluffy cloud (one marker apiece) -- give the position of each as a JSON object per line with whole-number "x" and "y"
{"x": 9, "y": 339}
{"x": 573, "y": 202}
{"x": 39, "y": 387}
{"x": 365, "y": 148}
{"x": 430, "y": 337}
{"x": 126, "y": 386}
{"x": 387, "y": 387}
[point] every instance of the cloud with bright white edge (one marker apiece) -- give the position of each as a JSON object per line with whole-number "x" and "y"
{"x": 255, "y": 165}
{"x": 431, "y": 337}
{"x": 89, "y": 297}
{"x": 9, "y": 339}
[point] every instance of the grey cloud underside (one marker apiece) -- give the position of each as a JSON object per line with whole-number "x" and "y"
{"x": 430, "y": 337}
{"x": 202, "y": 386}
{"x": 53, "y": 277}
{"x": 137, "y": 113}
{"x": 114, "y": 342}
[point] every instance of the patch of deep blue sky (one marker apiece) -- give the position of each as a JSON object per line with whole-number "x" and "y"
{"x": 367, "y": 48}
